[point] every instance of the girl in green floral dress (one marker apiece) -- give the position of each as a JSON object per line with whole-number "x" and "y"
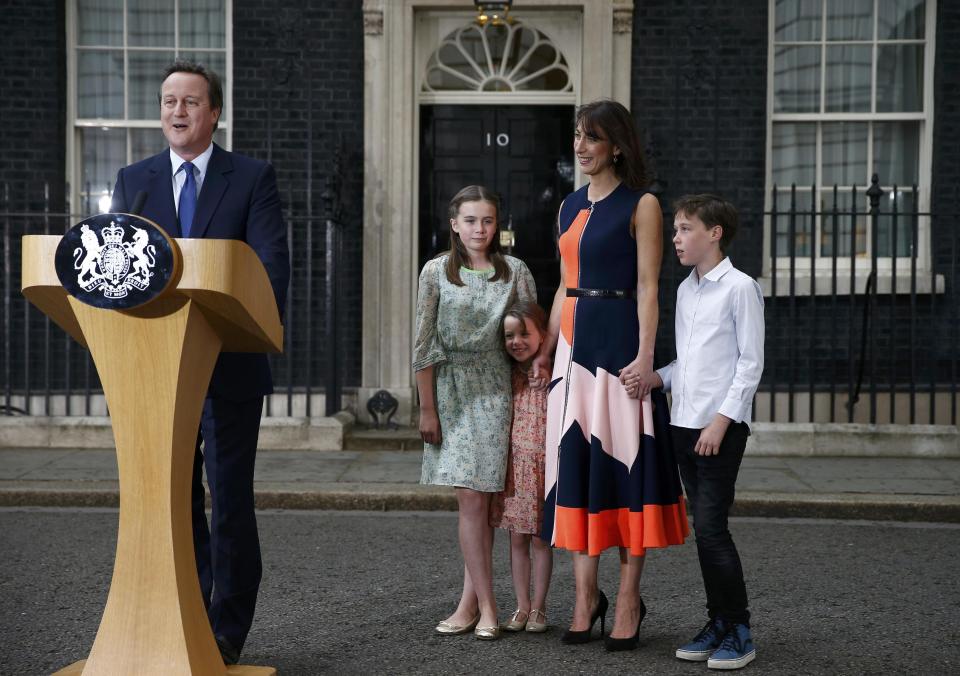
{"x": 463, "y": 379}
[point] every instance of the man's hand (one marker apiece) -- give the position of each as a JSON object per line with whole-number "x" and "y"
{"x": 712, "y": 436}
{"x": 429, "y": 426}
{"x": 540, "y": 371}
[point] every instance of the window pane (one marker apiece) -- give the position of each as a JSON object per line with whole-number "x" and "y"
{"x": 838, "y": 225}
{"x": 899, "y": 228}
{"x": 844, "y": 153}
{"x": 901, "y": 19}
{"x": 202, "y": 23}
{"x": 798, "y": 20}
{"x": 794, "y": 217}
{"x": 146, "y": 142}
{"x": 146, "y": 71}
{"x": 797, "y": 80}
{"x": 896, "y": 153}
{"x": 150, "y": 23}
{"x": 100, "y": 22}
{"x": 100, "y": 84}
{"x": 899, "y": 78}
{"x": 214, "y": 60}
{"x": 102, "y": 153}
{"x": 850, "y": 20}
{"x": 848, "y": 78}
{"x": 794, "y": 153}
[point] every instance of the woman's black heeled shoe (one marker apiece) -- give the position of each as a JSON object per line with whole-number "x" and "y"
{"x": 578, "y": 637}
{"x": 616, "y": 644}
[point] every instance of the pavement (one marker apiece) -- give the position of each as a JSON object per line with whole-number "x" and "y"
{"x": 900, "y": 489}
{"x": 354, "y": 592}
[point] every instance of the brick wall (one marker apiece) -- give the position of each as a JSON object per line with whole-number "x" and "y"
{"x": 297, "y": 97}
{"x": 33, "y": 80}
{"x": 699, "y": 90}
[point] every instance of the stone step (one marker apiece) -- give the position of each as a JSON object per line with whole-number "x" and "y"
{"x": 371, "y": 439}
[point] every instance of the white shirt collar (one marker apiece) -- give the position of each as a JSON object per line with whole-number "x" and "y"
{"x": 718, "y": 271}
{"x": 200, "y": 161}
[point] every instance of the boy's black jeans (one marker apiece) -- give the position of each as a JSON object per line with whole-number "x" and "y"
{"x": 710, "y": 481}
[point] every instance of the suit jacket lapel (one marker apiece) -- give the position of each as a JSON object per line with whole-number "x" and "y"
{"x": 160, "y": 195}
{"x": 215, "y": 184}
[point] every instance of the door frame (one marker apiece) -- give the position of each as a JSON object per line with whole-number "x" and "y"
{"x": 391, "y": 163}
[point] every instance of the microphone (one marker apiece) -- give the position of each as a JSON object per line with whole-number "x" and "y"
{"x": 138, "y": 203}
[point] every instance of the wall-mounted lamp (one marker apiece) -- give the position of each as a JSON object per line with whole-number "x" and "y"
{"x": 494, "y": 13}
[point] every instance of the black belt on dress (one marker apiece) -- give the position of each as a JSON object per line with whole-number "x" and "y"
{"x": 601, "y": 293}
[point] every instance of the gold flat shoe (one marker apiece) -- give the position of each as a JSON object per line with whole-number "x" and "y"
{"x": 518, "y": 621}
{"x": 450, "y": 629}
{"x": 538, "y": 625}
{"x": 487, "y": 633}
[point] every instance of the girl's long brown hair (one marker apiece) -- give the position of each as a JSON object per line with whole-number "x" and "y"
{"x": 610, "y": 120}
{"x": 457, "y": 255}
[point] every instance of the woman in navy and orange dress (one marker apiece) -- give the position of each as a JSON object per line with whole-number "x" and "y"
{"x": 611, "y": 480}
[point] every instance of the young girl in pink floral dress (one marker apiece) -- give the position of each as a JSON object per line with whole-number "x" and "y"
{"x": 519, "y": 507}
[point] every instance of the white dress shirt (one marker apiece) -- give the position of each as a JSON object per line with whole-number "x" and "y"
{"x": 719, "y": 334}
{"x": 200, "y": 163}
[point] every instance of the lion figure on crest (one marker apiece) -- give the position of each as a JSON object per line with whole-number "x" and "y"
{"x": 141, "y": 253}
{"x": 91, "y": 256}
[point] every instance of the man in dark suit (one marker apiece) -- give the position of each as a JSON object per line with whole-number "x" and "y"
{"x": 197, "y": 189}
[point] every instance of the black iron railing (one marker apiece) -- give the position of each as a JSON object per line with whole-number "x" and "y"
{"x": 875, "y": 321}
{"x": 44, "y": 372}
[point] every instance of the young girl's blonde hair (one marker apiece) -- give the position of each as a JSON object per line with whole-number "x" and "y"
{"x": 457, "y": 255}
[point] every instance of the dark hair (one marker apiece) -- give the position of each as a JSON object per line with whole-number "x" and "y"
{"x": 214, "y": 84}
{"x": 457, "y": 255}
{"x": 609, "y": 120}
{"x": 527, "y": 309}
{"x": 712, "y": 210}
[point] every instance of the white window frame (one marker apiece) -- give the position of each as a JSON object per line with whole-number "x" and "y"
{"x": 821, "y": 278}
{"x": 74, "y": 168}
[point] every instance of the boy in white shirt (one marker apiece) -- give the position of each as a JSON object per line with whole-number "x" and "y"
{"x": 719, "y": 338}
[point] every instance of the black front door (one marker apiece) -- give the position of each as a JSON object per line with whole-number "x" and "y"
{"x": 523, "y": 153}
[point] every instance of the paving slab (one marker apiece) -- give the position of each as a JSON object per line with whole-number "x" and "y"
{"x": 912, "y": 489}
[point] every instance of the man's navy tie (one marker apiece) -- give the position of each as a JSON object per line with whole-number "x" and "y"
{"x": 188, "y": 200}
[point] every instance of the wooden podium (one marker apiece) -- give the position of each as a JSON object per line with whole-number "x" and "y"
{"x": 155, "y": 363}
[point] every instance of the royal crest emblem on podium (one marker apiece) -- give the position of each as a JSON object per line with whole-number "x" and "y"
{"x": 107, "y": 267}
{"x": 115, "y": 261}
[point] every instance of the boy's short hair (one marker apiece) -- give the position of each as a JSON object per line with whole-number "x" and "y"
{"x": 712, "y": 210}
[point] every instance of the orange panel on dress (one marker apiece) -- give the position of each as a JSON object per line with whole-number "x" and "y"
{"x": 570, "y": 252}
{"x": 655, "y": 526}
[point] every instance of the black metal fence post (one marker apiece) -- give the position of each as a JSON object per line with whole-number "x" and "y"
{"x": 874, "y": 193}
{"x": 332, "y": 217}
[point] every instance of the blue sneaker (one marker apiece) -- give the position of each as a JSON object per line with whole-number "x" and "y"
{"x": 704, "y": 643}
{"x": 736, "y": 650}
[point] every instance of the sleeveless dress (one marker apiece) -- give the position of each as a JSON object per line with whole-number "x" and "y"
{"x": 611, "y": 478}
{"x": 459, "y": 332}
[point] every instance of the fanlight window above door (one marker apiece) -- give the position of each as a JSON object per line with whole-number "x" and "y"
{"x": 506, "y": 58}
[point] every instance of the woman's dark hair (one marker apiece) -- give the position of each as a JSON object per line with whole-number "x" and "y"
{"x": 712, "y": 210}
{"x": 214, "y": 84}
{"x": 526, "y": 309}
{"x": 609, "y": 120}
{"x": 457, "y": 255}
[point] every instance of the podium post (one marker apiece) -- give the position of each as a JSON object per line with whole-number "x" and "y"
{"x": 155, "y": 361}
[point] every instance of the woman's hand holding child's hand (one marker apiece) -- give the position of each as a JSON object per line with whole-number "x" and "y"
{"x": 638, "y": 378}
{"x": 540, "y": 372}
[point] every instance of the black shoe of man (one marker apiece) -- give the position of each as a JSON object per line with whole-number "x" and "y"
{"x": 229, "y": 654}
